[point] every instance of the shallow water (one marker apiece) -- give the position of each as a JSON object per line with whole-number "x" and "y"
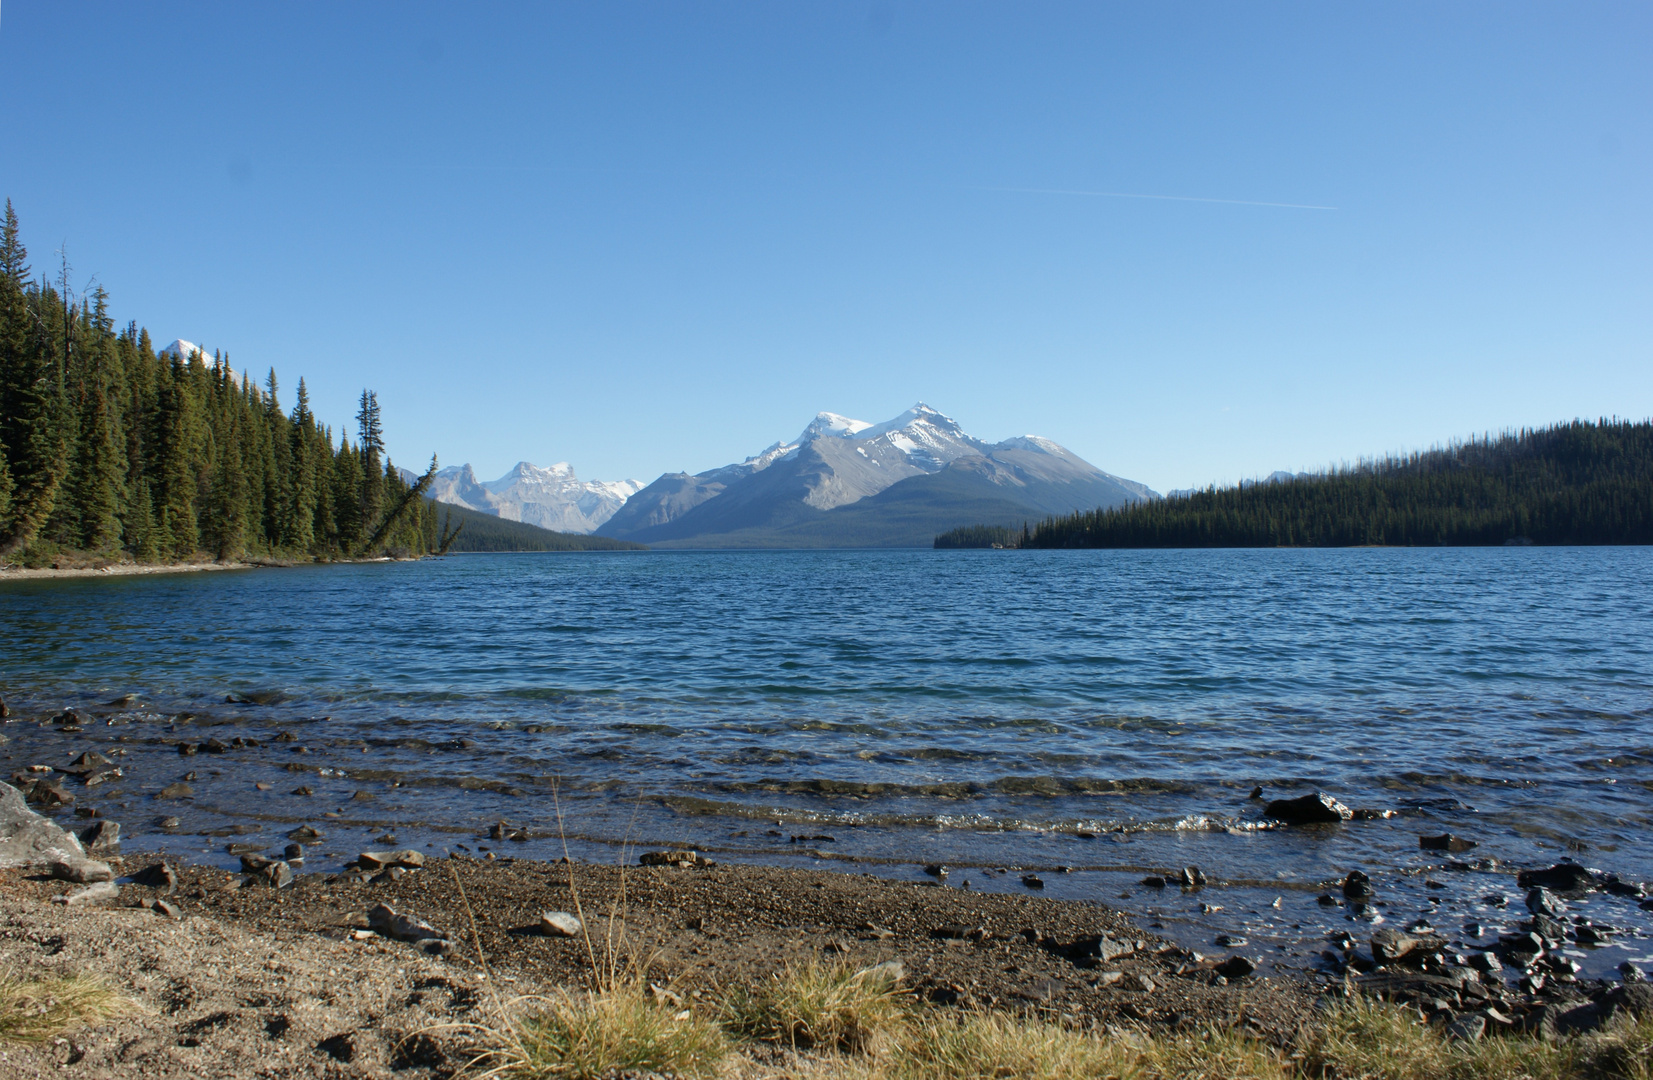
{"x": 1104, "y": 711}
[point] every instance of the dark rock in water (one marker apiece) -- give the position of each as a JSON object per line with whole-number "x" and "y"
{"x": 1623, "y": 888}
{"x": 1154, "y": 881}
{"x": 179, "y": 790}
{"x": 1592, "y": 935}
{"x": 252, "y": 864}
{"x": 1546, "y": 927}
{"x": 87, "y": 763}
{"x": 1528, "y": 944}
{"x": 498, "y": 831}
{"x": 1257, "y": 792}
{"x": 1566, "y": 878}
{"x": 306, "y": 834}
{"x": 304, "y": 790}
{"x": 1326, "y": 900}
{"x": 292, "y": 852}
{"x": 1192, "y": 877}
{"x": 1486, "y": 962}
{"x": 936, "y": 870}
{"x": 1229, "y": 941}
{"x": 241, "y": 847}
{"x": 1630, "y": 973}
{"x": 4, "y": 710}
{"x": 167, "y": 823}
{"x": 1541, "y": 901}
{"x": 50, "y": 794}
{"x": 1357, "y": 887}
{"x": 1317, "y": 809}
{"x": 362, "y": 796}
{"x": 215, "y": 746}
{"x": 1236, "y": 967}
{"x": 1446, "y": 842}
{"x": 1364, "y": 814}
{"x": 185, "y": 749}
{"x": 102, "y": 836}
{"x": 1032, "y": 881}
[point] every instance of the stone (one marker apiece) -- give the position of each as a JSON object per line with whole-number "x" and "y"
{"x": 1229, "y": 941}
{"x": 50, "y": 794}
{"x": 1541, "y": 901}
{"x": 1192, "y": 877}
{"x": 1033, "y": 881}
{"x": 1467, "y": 1028}
{"x": 1256, "y": 793}
{"x": 559, "y": 924}
{"x": 1098, "y": 948}
{"x": 1154, "y": 881}
{"x": 252, "y": 864}
{"x": 89, "y": 894}
{"x": 378, "y": 860}
{"x": 293, "y": 853}
{"x": 1630, "y": 973}
{"x": 158, "y": 876}
{"x": 1446, "y": 842}
{"x": 28, "y": 839}
{"x": 1564, "y": 878}
{"x": 362, "y": 796}
{"x": 306, "y": 834}
{"x": 188, "y": 749}
{"x": 81, "y": 871}
{"x": 1139, "y": 982}
{"x": 1389, "y": 946}
{"x": 1317, "y": 809}
{"x": 1487, "y": 963}
{"x": 936, "y": 870}
{"x": 87, "y": 763}
{"x": 179, "y": 790}
{"x": 392, "y": 923}
{"x": 435, "y": 946}
{"x": 167, "y": 823}
{"x": 1236, "y": 967}
{"x": 167, "y": 908}
{"x": 1357, "y": 887}
{"x": 1360, "y": 813}
{"x": 102, "y": 835}
{"x": 277, "y": 875}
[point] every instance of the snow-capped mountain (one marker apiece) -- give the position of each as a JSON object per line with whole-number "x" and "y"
{"x": 846, "y": 482}
{"x": 552, "y": 498}
{"x": 185, "y": 349}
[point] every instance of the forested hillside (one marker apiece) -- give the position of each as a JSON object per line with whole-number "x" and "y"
{"x": 1575, "y": 483}
{"x": 473, "y": 531}
{"x": 108, "y": 449}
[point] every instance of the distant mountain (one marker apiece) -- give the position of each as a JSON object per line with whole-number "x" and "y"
{"x": 480, "y": 532}
{"x": 848, "y": 483}
{"x": 551, "y": 498}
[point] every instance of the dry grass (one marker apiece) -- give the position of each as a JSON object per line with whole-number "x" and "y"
{"x": 993, "y": 1047}
{"x": 596, "y": 1035}
{"x": 824, "y": 1006}
{"x": 37, "y": 1009}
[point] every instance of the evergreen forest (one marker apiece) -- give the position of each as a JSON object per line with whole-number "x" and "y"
{"x": 109, "y": 450}
{"x": 1571, "y": 483}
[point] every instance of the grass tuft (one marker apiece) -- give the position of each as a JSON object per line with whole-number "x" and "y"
{"x": 613, "y": 1031}
{"x": 995, "y": 1047}
{"x": 824, "y": 1006}
{"x": 34, "y": 1010}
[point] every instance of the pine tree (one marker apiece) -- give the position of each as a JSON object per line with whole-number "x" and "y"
{"x": 372, "y": 450}
{"x": 14, "y": 258}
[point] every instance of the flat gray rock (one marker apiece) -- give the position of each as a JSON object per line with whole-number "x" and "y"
{"x": 29, "y": 840}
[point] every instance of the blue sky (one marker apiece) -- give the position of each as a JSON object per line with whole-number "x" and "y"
{"x": 649, "y": 237}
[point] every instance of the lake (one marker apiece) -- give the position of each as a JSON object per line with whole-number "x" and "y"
{"x": 1092, "y": 716}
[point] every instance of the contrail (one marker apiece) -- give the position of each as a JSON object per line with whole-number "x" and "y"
{"x": 1166, "y": 198}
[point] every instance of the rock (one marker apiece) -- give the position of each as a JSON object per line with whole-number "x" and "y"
{"x": 306, "y": 834}
{"x": 293, "y": 853}
{"x": 1256, "y": 792}
{"x": 559, "y": 924}
{"x": 188, "y": 749}
{"x": 362, "y": 796}
{"x": 1109, "y": 978}
{"x": 392, "y": 923}
{"x": 435, "y": 946}
{"x": 1364, "y": 814}
{"x": 50, "y": 794}
{"x": 378, "y": 860}
{"x": 936, "y": 870}
{"x": 1446, "y": 842}
{"x": 277, "y": 875}
{"x": 1618, "y": 887}
{"x": 88, "y": 762}
{"x": 1154, "y": 881}
{"x": 29, "y": 840}
{"x": 1548, "y": 928}
{"x": 1635, "y": 998}
{"x": 167, "y": 908}
{"x": 302, "y": 790}
{"x": 1357, "y": 887}
{"x": 102, "y": 836}
{"x": 1541, "y": 901}
{"x": 179, "y": 790}
{"x": 81, "y": 870}
{"x": 1467, "y": 1028}
{"x": 1565, "y": 878}
{"x": 90, "y": 894}
{"x": 1033, "y": 881}
{"x": 1230, "y": 941}
{"x": 1096, "y": 949}
{"x": 1236, "y": 967}
{"x": 1138, "y": 981}
{"x": 674, "y": 858}
{"x": 252, "y": 864}
{"x": 1391, "y": 945}
{"x": 167, "y": 823}
{"x": 1486, "y": 962}
{"x": 158, "y": 876}
{"x": 889, "y": 973}
{"x": 1630, "y": 973}
{"x": 1317, "y": 809}
{"x": 215, "y": 746}
{"x": 1192, "y": 877}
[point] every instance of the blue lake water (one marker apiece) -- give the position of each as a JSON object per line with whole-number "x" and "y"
{"x": 1106, "y": 711}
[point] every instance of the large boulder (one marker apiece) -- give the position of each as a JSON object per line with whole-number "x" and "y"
{"x": 1317, "y": 809}
{"x": 29, "y": 840}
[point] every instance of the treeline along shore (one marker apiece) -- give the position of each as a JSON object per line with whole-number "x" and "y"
{"x": 113, "y": 452}
{"x": 1571, "y": 483}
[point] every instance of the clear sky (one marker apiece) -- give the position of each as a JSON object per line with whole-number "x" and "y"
{"x": 644, "y": 237}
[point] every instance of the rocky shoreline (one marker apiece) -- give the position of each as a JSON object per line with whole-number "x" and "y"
{"x": 696, "y": 929}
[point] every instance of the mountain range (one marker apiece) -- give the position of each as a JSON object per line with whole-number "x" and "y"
{"x": 840, "y": 483}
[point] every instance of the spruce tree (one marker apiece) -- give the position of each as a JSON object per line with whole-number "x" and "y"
{"x": 372, "y": 449}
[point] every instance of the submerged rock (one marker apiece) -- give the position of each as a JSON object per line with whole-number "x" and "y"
{"x": 1562, "y": 878}
{"x": 1317, "y": 809}
{"x": 1446, "y": 842}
